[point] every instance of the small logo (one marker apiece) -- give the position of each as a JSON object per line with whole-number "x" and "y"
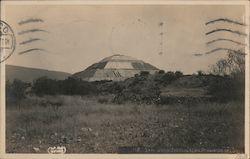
{"x": 57, "y": 150}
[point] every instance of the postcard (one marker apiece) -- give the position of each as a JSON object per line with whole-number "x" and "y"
{"x": 124, "y": 79}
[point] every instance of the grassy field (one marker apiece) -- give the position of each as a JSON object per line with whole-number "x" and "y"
{"x": 88, "y": 125}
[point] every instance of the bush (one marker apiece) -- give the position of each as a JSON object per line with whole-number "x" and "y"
{"x": 144, "y": 73}
{"x": 178, "y": 74}
{"x": 73, "y": 86}
{"x": 16, "y": 90}
{"x": 161, "y": 72}
{"x": 226, "y": 88}
{"x": 109, "y": 87}
{"x": 103, "y": 100}
{"x": 140, "y": 90}
{"x": 45, "y": 86}
{"x": 168, "y": 77}
{"x": 136, "y": 75}
{"x": 146, "y": 96}
{"x": 200, "y": 73}
{"x": 69, "y": 86}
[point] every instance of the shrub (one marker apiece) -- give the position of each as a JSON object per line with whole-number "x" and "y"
{"x": 103, "y": 100}
{"x": 200, "y": 73}
{"x": 45, "y": 86}
{"x": 136, "y": 75}
{"x": 225, "y": 88}
{"x": 178, "y": 74}
{"x": 69, "y": 86}
{"x": 74, "y": 86}
{"x": 138, "y": 94}
{"x": 16, "y": 90}
{"x": 161, "y": 72}
{"x": 144, "y": 73}
{"x": 168, "y": 77}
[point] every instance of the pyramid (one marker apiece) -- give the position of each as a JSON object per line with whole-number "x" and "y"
{"x": 116, "y": 68}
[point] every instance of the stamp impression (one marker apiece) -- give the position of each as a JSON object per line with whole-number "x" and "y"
{"x": 57, "y": 150}
{"x": 7, "y": 41}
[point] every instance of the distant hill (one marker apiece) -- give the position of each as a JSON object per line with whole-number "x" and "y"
{"x": 29, "y": 74}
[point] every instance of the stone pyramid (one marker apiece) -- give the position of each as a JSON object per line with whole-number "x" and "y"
{"x": 116, "y": 68}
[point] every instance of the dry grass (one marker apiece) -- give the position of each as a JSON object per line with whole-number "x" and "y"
{"x": 85, "y": 126}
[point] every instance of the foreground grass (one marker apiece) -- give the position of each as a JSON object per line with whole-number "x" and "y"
{"x": 85, "y": 126}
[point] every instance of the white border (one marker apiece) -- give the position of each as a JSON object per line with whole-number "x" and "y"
{"x": 126, "y": 2}
{"x": 126, "y": 156}
{"x": 247, "y": 87}
{"x": 2, "y": 94}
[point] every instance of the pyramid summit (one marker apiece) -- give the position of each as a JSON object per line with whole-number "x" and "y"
{"x": 119, "y": 57}
{"x": 116, "y": 67}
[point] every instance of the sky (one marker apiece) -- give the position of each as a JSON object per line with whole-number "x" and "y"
{"x": 79, "y": 35}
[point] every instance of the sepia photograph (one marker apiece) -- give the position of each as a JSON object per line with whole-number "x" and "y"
{"x": 124, "y": 79}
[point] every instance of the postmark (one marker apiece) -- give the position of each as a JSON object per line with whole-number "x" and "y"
{"x": 8, "y": 41}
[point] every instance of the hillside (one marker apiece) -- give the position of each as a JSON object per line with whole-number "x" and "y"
{"x": 29, "y": 74}
{"x": 158, "y": 88}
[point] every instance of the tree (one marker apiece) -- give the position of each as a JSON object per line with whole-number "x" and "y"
{"x": 168, "y": 77}
{"x": 231, "y": 70}
{"x": 18, "y": 90}
{"x": 178, "y": 74}
{"x": 233, "y": 64}
{"x": 8, "y": 89}
{"x": 200, "y": 73}
{"x": 44, "y": 85}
